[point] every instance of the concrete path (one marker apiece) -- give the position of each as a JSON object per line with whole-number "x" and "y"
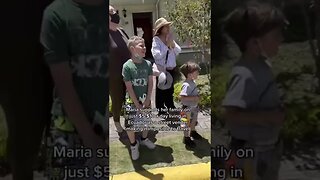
{"x": 293, "y": 169}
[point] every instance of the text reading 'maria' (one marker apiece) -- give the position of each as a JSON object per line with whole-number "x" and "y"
{"x": 65, "y": 152}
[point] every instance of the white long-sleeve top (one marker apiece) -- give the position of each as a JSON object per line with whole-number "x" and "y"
{"x": 159, "y": 52}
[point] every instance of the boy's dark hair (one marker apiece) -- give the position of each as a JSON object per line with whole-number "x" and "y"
{"x": 253, "y": 20}
{"x": 189, "y": 67}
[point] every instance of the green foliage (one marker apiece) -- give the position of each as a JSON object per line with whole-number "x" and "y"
{"x": 192, "y": 23}
{"x": 177, "y": 90}
{"x": 220, "y": 75}
{"x": 295, "y": 70}
{"x": 205, "y": 93}
{"x": 301, "y": 122}
{"x": 204, "y": 88}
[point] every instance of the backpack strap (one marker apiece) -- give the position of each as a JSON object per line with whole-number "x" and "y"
{"x": 167, "y": 57}
{"x": 123, "y": 33}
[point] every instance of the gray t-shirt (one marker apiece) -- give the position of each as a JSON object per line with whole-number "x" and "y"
{"x": 252, "y": 88}
{"x": 189, "y": 88}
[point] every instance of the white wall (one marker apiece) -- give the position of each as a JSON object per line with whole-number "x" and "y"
{"x": 127, "y": 23}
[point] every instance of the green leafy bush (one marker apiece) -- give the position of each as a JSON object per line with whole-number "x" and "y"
{"x": 177, "y": 90}
{"x": 294, "y": 67}
{"x": 302, "y": 105}
{"x": 220, "y": 77}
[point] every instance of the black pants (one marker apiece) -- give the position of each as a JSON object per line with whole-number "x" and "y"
{"x": 117, "y": 91}
{"x": 164, "y": 98}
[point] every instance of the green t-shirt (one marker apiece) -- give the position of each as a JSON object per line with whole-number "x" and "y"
{"x": 77, "y": 34}
{"x": 138, "y": 74}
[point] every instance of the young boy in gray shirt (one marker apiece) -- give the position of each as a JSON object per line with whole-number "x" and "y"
{"x": 189, "y": 97}
{"x": 252, "y": 104}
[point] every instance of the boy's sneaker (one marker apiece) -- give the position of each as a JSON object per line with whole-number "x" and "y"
{"x": 148, "y": 143}
{"x": 135, "y": 151}
{"x": 195, "y": 135}
{"x": 188, "y": 142}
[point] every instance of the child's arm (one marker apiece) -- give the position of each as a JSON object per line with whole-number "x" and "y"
{"x": 62, "y": 77}
{"x": 132, "y": 94}
{"x": 189, "y": 98}
{"x": 53, "y": 38}
{"x": 263, "y": 118}
{"x": 176, "y": 48}
{"x": 150, "y": 87}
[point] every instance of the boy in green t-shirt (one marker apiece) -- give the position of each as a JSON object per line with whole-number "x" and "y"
{"x": 73, "y": 35}
{"x": 138, "y": 78}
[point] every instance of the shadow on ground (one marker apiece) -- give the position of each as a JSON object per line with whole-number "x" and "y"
{"x": 161, "y": 154}
{"x": 123, "y": 137}
{"x": 202, "y": 149}
{"x": 305, "y": 155}
{"x": 4, "y": 168}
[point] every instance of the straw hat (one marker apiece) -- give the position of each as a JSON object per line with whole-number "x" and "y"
{"x": 165, "y": 80}
{"x": 160, "y": 23}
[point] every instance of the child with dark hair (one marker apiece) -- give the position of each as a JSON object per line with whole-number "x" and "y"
{"x": 253, "y": 109}
{"x": 189, "y": 97}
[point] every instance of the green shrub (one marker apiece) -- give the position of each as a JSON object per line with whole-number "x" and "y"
{"x": 220, "y": 78}
{"x": 177, "y": 90}
{"x": 301, "y": 123}
{"x": 302, "y": 106}
{"x": 294, "y": 68}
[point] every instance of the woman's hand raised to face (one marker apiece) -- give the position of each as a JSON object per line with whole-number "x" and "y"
{"x": 169, "y": 39}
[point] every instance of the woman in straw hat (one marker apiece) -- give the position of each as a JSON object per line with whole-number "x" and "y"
{"x": 164, "y": 51}
{"x": 119, "y": 55}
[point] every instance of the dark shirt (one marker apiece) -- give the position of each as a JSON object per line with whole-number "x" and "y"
{"x": 119, "y": 52}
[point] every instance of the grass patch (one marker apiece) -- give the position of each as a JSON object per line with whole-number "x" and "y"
{"x": 170, "y": 151}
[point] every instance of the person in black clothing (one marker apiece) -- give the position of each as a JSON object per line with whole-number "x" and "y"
{"x": 26, "y": 87}
{"x": 119, "y": 54}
